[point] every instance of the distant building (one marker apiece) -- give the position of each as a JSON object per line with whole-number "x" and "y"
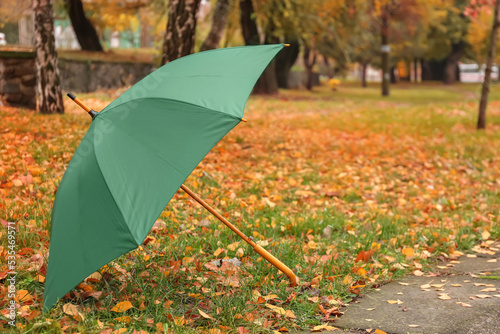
{"x": 475, "y": 73}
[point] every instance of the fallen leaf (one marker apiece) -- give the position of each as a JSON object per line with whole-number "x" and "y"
{"x": 418, "y": 273}
{"x": 125, "y": 319}
{"x": 464, "y": 304}
{"x": 488, "y": 290}
{"x": 323, "y": 327}
{"x": 395, "y": 302}
{"x": 379, "y": 331}
{"x": 122, "y": 307}
{"x": 23, "y": 296}
{"x": 279, "y": 310}
{"x": 444, "y": 296}
{"x": 408, "y": 252}
{"x": 483, "y": 296}
{"x": 204, "y": 315}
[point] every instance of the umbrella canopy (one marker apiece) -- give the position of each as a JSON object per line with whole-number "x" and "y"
{"x": 137, "y": 153}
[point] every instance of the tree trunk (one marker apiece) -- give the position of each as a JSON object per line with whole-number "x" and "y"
{"x": 48, "y": 83}
{"x": 309, "y": 61}
{"x": 392, "y": 72}
{"x": 481, "y": 121}
{"x": 267, "y": 83}
{"x": 84, "y": 30}
{"x": 284, "y": 61}
{"x": 218, "y": 25}
{"x": 433, "y": 70}
{"x": 363, "y": 75}
{"x": 415, "y": 70}
{"x": 450, "y": 73}
{"x": 181, "y": 28}
{"x": 384, "y": 32}
{"x": 248, "y": 24}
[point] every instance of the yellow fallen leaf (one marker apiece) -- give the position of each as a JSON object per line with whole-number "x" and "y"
{"x": 279, "y": 310}
{"x": 125, "y": 319}
{"x": 413, "y": 326}
{"x": 218, "y": 251}
{"x": 488, "y": 290}
{"x": 456, "y": 285}
{"x": 464, "y": 304}
{"x": 402, "y": 283}
{"x": 70, "y": 309}
{"x": 204, "y": 315}
{"x": 122, "y": 307}
{"x": 444, "y": 296}
{"x": 485, "y": 235}
{"x": 483, "y": 296}
{"x": 395, "y": 302}
{"x": 425, "y": 286}
{"x": 418, "y": 273}
{"x": 323, "y": 327}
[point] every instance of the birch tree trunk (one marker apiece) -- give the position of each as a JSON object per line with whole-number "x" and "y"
{"x": 481, "y": 121}
{"x": 48, "y": 82}
{"x": 218, "y": 25}
{"x": 181, "y": 28}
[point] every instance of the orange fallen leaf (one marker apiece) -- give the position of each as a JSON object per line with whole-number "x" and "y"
{"x": 23, "y": 296}
{"x": 379, "y": 331}
{"x": 125, "y": 319}
{"x": 408, "y": 252}
{"x": 122, "y": 307}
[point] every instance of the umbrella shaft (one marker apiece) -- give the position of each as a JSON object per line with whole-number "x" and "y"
{"x": 218, "y": 215}
{"x": 261, "y": 251}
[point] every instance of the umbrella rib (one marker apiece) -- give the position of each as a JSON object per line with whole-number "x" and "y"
{"x": 105, "y": 110}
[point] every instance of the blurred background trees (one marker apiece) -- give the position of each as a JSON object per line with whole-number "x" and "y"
{"x": 383, "y": 40}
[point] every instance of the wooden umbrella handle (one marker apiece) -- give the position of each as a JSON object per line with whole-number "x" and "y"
{"x": 261, "y": 251}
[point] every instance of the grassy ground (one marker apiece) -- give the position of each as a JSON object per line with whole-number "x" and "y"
{"x": 349, "y": 189}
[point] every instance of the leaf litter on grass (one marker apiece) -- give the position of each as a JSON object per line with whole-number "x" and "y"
{"x": 349, "y": 194}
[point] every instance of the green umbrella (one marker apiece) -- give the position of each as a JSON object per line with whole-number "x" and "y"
{"x": 137, "y": 153}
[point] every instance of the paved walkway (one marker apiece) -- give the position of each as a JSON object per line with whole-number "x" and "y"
{"x": 455, "y": 299}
